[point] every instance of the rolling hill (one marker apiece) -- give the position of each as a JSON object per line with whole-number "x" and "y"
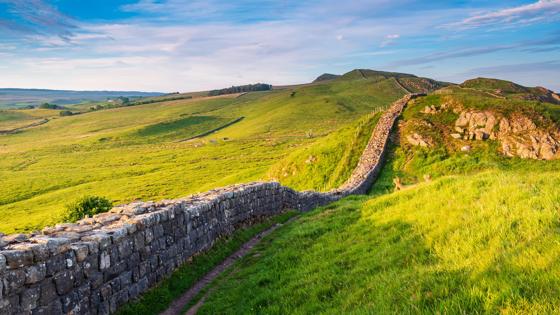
{"x": 19, "y": 98}
{"x": 473, "y": 228}
{"x": 143, "y": 151}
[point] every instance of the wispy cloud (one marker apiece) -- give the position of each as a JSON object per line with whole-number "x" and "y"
{"x": 35, "y": 17}
{"x": 542, "y": 10}
{"x": 389, "y": 40}
{"x": 439, "y": 56}
{"x": 544, "y": 66}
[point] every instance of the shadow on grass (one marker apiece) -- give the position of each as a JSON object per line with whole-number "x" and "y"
{"x": 335, "y": 261}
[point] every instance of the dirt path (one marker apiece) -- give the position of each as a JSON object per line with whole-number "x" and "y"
{"x": 35, "y": 124}
{"x": 178, "y": 305}
{"x": 213, "y": 130}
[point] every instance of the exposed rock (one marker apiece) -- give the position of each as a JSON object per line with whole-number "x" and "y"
{"x": 311, "y": 159}
{"x": 466, "y": 148}
{"x": 518, "y": 134}
{"x": 418, "y": 140}
{"x": 430, "y": 110}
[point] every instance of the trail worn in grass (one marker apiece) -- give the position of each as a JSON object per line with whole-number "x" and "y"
{"x": 160, "y": 297}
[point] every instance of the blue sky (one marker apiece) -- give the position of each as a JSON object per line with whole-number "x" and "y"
{"x": 177, "y": 45}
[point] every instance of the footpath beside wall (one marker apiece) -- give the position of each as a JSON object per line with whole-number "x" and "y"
{"x": 98, "y": 264}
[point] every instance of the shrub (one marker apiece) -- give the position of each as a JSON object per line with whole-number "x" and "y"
{"x": 86, "y": 207}
{"x": 66, "y": 113}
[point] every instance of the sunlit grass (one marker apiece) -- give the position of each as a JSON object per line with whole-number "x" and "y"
{"x": 487, "y": 243}
{"x": 133, "y": 153}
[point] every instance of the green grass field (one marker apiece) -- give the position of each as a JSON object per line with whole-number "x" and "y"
{"x": 481, "y": 244}
{"x": 135, "y": 152}
{"x": 481, "y": 237}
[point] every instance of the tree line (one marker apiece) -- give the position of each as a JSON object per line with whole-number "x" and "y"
{"x": 241, "y": 89}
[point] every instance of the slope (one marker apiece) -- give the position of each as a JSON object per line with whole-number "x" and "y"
{"x": 136, "y": 152}
{"x": 479, "y": 235}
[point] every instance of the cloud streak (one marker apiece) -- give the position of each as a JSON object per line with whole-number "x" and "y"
{"x": 35, "y": 17}
{"x": 542, "y": 10}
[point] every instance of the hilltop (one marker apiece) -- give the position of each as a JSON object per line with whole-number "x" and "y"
{"x": 507, "y": 89}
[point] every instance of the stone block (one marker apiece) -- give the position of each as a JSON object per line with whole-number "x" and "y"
{"x": 30, "y": 298}
{"x": 17, "y": 258}
{"x": 35, "y": 273}
{"x": 48, "y": 292}
{"x": 64, "y": 282}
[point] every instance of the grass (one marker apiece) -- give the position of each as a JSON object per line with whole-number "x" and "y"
{"x": 326, "y": 163}
{"x": 488, "y": 244}
{"x": 481, "y": 237}
{"x": 131, "y": 153}
{"x": 160, "y": 297}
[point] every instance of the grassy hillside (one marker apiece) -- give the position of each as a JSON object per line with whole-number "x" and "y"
{"x": 479, "y": 236}
{"x": 137, "y": 152}
{"x": 326, "y": 163}
{"x": 487, "y": 244}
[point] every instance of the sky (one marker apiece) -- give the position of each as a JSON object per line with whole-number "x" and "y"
{"x": 179, "y": 45}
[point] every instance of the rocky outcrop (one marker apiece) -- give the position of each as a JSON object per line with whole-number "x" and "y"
{"x": 99, "y": 263}
{"x": 543, "y": 95}
{"x": 419, "y": 140}
{"x": 475, "y": 125}
{"x": 518, "y": 135}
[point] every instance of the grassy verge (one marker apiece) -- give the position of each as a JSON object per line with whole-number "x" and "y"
{"x": 160, "y": 297}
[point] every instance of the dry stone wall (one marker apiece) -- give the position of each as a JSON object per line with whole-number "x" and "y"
{"x": 98, "y": 264}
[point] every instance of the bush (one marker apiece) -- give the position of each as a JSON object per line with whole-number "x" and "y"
{"x": 86, "y": 207}
{"x": 66, "y": 113}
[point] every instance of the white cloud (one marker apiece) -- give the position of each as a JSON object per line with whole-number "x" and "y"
{"x": 521, "y": 15}
{"x": 389, "y": 40}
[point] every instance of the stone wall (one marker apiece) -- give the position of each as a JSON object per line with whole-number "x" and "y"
{"x": 98, "y": 264}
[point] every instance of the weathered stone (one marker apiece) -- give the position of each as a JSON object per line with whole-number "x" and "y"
{"x": 104, "y": 261}
{"x": 14, "y": 281}
{"x": 48, "y": 292}
{"x": 55, "y": 245}
{"x": 80, "y": 251}
{"x": 15, "y": 238}
{"x": 18, "y": 258}
{"x": 64, "y": 282}
{"x": 30, "y": 298}
{"x": 102, "y": 239}
{"x": 418, "y": 140}
{"x": 2, "y": 264}
{"x": 35, "y": 273}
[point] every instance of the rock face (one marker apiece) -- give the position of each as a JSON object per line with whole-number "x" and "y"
{"x": 99, "y": 263}
{"x": 518, "y": 135}
{"x": 476, "y": 125}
